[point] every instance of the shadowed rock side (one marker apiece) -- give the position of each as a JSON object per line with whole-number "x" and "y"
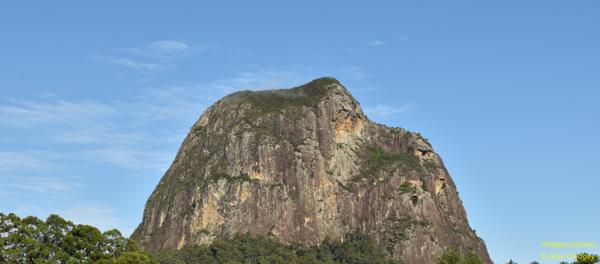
{"x": 303, "y": 164}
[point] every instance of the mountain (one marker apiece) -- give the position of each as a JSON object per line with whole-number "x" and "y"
{"x": 303, "y": 164}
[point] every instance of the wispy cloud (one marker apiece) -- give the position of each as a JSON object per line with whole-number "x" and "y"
{"x": 131, "y": 134}
{"x": 129, "y": 157}
{"x": 18, "y": 162}
{"x": 101, "y": 216}
{"x": 375, "y": 43}
{"x": 355, "y": 73}
{"x": 352, "y": 50}
{"x": 109, "y": 134}
{"x": 383, "y": 110}
{"x": 40, "y": 185}
{"x": 170, "y": 49}
{"x": 258, "y": 80}
{"x": 103, "y": 132}
{"x": 24, "y": 113}
{"x": 154, "y": 56}
{"x": 136, "y": 65}
{"x": 27, "y": 173}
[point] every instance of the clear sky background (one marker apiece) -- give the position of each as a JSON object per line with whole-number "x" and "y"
{"x": 95, "y": 98}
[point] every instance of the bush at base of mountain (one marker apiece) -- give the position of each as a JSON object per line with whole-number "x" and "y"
{"x": 244, "y": 248}
{"x": 453, "y": 256}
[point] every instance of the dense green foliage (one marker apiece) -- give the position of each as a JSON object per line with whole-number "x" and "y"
{"x": 58, "y": 241}
{"x": 246, "y": 249}
{"x": 31, "y": 240}
{"x": 453, "y": 256}
{"x": 585, "y": 258}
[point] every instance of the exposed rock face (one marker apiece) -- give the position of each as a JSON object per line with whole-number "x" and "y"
{"x": 304, "y": 164}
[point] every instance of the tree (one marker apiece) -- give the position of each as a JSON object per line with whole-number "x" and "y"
{"x": 449, "y": 256}
{"x": 20, "y": 239}
{"x": 136, "y": 258}
{"x": 585, "y": 258}
{"x": 453, "y": 256}
{"x": 31, "y": 240}
{"x": 248, "y": 249}
{"x": 85, "y": 243}
{"x": 115, "y": 244}
{"x": 471, "y": 258}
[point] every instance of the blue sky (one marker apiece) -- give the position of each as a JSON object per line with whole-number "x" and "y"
{"x": 96, "y": 98}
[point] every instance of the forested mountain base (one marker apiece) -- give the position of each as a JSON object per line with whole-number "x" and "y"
{"x": 56, "y": 240}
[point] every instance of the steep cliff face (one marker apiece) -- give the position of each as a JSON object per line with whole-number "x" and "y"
{"x": 303, "y": 164}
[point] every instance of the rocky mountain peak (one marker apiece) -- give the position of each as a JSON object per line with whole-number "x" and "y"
{"x": 266, "y": 102}
{"x": 303, "y": 164}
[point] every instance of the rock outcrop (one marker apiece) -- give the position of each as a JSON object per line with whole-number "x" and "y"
{"x": 303, "y": 164}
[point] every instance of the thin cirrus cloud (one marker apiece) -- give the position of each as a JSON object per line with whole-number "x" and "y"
{"x": 98, "y": 215}
{"x": 375, "y": 43}
{"x": 258, "y": 80}
{"x": 132, "y": 134}
{"x": 52, "y": 111}
{"x": 355, "y": 73}
{"x": 384, "y": 110}
{"x": 154, "y": 56}
{"x": 129, "y": 157}
{"x": 10, "y": 161}
{"x": 26, "y": 172}
{"x": 124, "y": 134}
{"x": 169, "y": 49}
{"x": 136, "y": 65}
{"x": 39, "y": 185}
{"x": 82, "y": 127}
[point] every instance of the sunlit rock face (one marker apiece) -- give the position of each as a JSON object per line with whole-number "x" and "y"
{"x": 303, "y": 164}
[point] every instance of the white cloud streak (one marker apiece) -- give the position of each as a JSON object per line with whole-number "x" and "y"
{"x": 154, "y": 56}
{"x": 42, "y": 185}
{"x": 17, "y": 188}
{"x": 25, "y": 113}
{"x": 97, "y": 215}
{"x": 18, "y": 162}
{"x": 383, "y": 110}
{"x": 355, "y": 73}
{"x": 375, "y": 43}
{"x": 169, "y": 49}
{"x": 124, "y": 134}
{"x": 129, "y": 158}
{"x": 136, "y": 65}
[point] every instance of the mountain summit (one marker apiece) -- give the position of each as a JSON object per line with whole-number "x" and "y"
{"x": 303, "y": 164}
